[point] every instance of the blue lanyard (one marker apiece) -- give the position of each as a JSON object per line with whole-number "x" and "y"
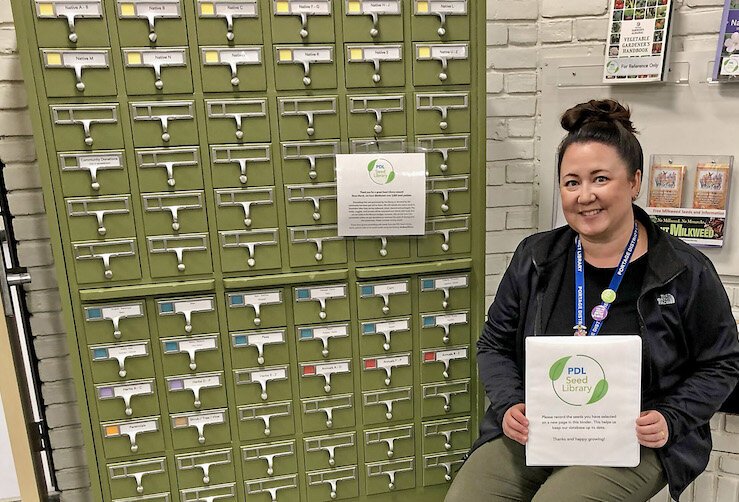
{"x": 608, "y": 296}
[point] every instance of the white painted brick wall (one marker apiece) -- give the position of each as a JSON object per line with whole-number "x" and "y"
{"x": 18, "y": 153}
{"x": 517, "y": 31}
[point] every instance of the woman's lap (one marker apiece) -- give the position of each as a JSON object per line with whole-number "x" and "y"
{"x": 497, "y": 471}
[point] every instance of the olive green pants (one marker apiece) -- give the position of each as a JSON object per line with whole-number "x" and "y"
{"x": 497, "y": 471}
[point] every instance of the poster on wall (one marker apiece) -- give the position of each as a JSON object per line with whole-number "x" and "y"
{"x": 726, "y": 64}
{"x": 381, "y": 194}
{"x": 636, "y": 47}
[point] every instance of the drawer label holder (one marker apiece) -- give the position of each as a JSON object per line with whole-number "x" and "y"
{"x": 137, "y": 470}
{"x": 332, "y": 478}
{"x": 387, "y": 364}
{"x": 255, "y": 301}
{"x": 83, "y": 115}
{"x": 77, "y": 60}
{"x": 383, "y": 290}
{"x": 149, "y": 10}
{"x": 446, "y": 391}
{"x": 237, "y": 110}
{"x": 120, "y": 352}
{"x": 444, "y": 284}
{"x": 387, "y": 398}
{"x": 445, "y": 321}
{"x": 302, "y": 9}
{"x": 228, "y": 10}
{"x": 190, "y": 346}
{"x": 168, "y": 159}
{"x": 173, "y": 203}
{"x": 261, "y": 377}
{"x": 389, "y": 437}
{"x": 265, "y": 413}
{"x": 374, "y": 54}
{"x": 445, "y": 186}
{"x": 126, "y": 392}
{"x": 245, "y": 199}
{"x": 311, "y": 151}
{"x": 163, "y": 112}
{"x": 442, "y": 103}
{"x": 443, "y": 145}
{"x": 156, "y": 59}
{"x": 198, "y": 420}
{"x": 308, "y": 108}
{"x": 440, "y": 9}
{"x": 204, "y": 461}
{"x": 321, "y": 294}
{"x": 93, "y": 163}
{"x": 268, "y": 453}
{"x": 373, "y": 9}
{"x": 323, "y": 334}
{"x": 114, "y": 313}
{"x": 445, "y": 357}
{"x": 233, "y": 58}
{"x": 305, "y": 56}
{"x": 390, "y": 469}
{"x": 330, "y": 444}
{"x": 386, "y": 328}
{"x": 327, "y": 406}
{"x": 71, "y": 10}
{"x": 446, "y": 461}
{"x": 98, "y": 207}
{"x": 446, "y": 429}
{"x": 271, "y": 485}
{"x": 178, "y": 245}
{"x": 238, "y": 155}
{"x": 131, "y": 429}
{"x": 377, "y": 105}
{"x": 325, "y": 370}
{"x": 258, "y": 339}
{"x": 249, "y": 240}
{"x": 186, "y": 307}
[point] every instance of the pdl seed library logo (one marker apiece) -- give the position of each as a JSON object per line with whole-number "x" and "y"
{"x": 578, "y": 380}
{"x": 381, "y": 171}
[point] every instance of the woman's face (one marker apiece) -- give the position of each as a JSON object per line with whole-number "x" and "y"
{"x": 597, "y": 191}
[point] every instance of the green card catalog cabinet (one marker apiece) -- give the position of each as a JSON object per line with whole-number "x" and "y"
{"x": 227, "y": 342}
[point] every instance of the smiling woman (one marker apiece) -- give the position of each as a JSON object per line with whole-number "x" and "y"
{"x": 609, "y": 271}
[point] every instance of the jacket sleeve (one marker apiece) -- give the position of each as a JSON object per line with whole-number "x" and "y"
{"x": 496, "y": 349}
{"x": 710, "y": 331}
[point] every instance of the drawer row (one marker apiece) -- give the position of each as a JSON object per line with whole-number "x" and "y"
{"x": 163, "y": 22}
{"x": 183, "y": 212}
{"x": 137, "y": 396}
{"x": 256, "y": 251}
{"x": 90, "y": 72}
{"x": 267, "y": 308}
{"x": 133, "y": 437}
{"x": 325, "y": 458}
{"x": 174, "y": 123}
{"x": 106, "y": 172}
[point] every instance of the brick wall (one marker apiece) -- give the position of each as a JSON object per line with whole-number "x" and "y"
{"x": 18, "y": 152}
{"x": 518, "y": 32}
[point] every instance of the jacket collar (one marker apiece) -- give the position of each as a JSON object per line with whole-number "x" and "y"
{"x": 662, "y": 258}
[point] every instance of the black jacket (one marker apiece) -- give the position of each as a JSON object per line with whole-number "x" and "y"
{"x": 689, "y": 339}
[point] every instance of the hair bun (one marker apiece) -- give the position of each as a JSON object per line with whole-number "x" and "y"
{"x": 597, "y": 111}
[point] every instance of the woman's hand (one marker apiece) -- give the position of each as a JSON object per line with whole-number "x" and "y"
{"x": 515, "y": 423}
{"x": 651, "y": 429}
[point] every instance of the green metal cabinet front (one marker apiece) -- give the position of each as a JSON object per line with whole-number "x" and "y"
{"x": 230, "y": 343}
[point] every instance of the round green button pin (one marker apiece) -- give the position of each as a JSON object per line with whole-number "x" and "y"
{"x": 608, "y": 296}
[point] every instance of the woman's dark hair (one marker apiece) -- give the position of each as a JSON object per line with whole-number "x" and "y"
{"x": 602, "y": 121}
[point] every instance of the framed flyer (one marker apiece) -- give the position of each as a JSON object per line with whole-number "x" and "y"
{"x": 698, "y": 217}
{"x": 711, "y": 186}
{"x": 636, "y": 47}
{"x": 583, "y": 395}
{"x": 666, "y": 186}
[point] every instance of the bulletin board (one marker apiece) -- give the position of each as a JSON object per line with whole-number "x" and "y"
{"x": 687, "y": 114}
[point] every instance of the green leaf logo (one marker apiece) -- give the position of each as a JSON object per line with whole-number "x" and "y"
{"x": 557, "y": 368}
{"x": 600, "y": 390}
{"x": 391, "y": 177}
{"x": 371, "y": 165}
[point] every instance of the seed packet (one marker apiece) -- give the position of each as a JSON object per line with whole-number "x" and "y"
{"x": 711, "y": 186}
{"x": 666, "y": 186}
